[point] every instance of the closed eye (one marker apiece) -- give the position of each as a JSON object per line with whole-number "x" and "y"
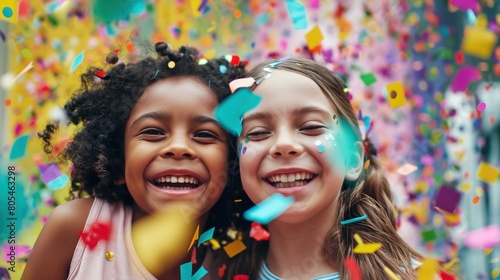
{"x": 258, "y": 135}
{"x": 206, "y": 137}
{"x": 151, "y": 131}
{"x": 313, "y": 129}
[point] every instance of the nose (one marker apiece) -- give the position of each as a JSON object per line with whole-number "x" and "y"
{"x": 178, "y": 147}
{"x": 286, "y": 145}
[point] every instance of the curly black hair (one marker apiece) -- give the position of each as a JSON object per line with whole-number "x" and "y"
{"x": 101, "y": 107}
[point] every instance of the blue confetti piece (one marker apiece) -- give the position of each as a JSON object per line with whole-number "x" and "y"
{"x": 269, "y": 209}
{"x": 231, "y": 110}
{"x": 58, "y": 183}
{"x": 223, "y": 69}
{"x": 77, "y": 61}
{"x": 207, "y": 235}
{"x": 51, "y": 7}
{"x": 354, "y": 220}
{"x": 187, "y": 270}
{"x": 297, "y": 13}
{"x": 471, "y": 17}
{"x": 19, "y": 147}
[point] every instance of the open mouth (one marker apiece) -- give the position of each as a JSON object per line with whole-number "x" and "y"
{"x": 290, "y": 180}
{"x": 177, "y": 182}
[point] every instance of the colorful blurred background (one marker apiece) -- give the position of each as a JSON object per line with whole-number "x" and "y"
{"x": 423, "y": 75}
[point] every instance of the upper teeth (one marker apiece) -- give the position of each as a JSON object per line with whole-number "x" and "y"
{"x": 177, "y": 179}
{"x": 290, "y": 177}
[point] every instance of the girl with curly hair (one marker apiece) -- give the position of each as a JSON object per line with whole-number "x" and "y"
{"x": 146, "y": 138}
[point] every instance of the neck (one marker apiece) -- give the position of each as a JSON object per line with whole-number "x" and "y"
{"x": 296, "y": 250}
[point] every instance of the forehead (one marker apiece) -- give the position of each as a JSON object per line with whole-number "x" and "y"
{"x": 177, "y": 89}
{"x": 285, "y": 89}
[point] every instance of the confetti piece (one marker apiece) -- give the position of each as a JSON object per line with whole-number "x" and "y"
{"x": 110, "y": 11}
{"x": 428, "y": 235}
{"x": 9, "y": 10}
{"x": 427, "y": 269}
{"x": 269, "y": 209}
{"x": 447, "y": 199}
{"x": 483, "y": 238}
{"x": 478, "y": 42}
{"x": 446, "y": 276}
{"x": 215, "y": 244}
{"x": 17, "y": 251}
{"x": 353, "y": 268}
{"x": 195, "y": 237}
{"x": 97, "y": 232}
{"x": 241, "y": 277}
{"x": 365, "y": 248}
{"x": 465, "y": 4}
{"x": 19, "y": 147}
{"x": 464, "y": 76}
{"x": 238, "y": 83}
{"x": 234, "y": 248}
{"x": 195, "y": 7}
{"x": 77, "y": 61}
{"x": 354, "y": 220}
{"x": 160, "y": 239}
{"x": 187, "y": 270}
{"x": 406, "y": 169}
{"x": 396, "y": 94}
{"x": 368, "y": 79}
{"x": 26, "y": 69}
{"x": 487, "y": 173}
{"x": 207, "y": 235}
{"x": 222, "y": 270}
{"x": 391, "y": 273}
{"x": 4, "y": 273}
{"x": 314, "y": 37}
{"x": 297, "y": 13}
{"x": 58, "y": 183}
{"x": 231, "y": 110}
{"x": 49, "y": 173}
{"x": 481, "y": 106}
{"x": 235, "y": 60}
{"x": 2, "y": 35}
{"x": 258, "y": 233}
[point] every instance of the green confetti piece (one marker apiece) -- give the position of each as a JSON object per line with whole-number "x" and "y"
{"x": 368, "y": 79}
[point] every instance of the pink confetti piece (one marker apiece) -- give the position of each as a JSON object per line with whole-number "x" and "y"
{"x": 481, "y": 106}
{"x": 464, "y": 77}
{"x": 483, "y": 238}
{"x": 465, "y": 5}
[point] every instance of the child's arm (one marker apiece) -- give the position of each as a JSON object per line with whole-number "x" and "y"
{"x": 53, "y": 250}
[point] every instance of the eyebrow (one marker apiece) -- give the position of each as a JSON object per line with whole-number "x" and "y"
{"x": 162, "y": 117}
{"x": 298, "y": 111}
{"x": 152, "y": 115}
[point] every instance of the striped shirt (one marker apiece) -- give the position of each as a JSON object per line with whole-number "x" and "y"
{"x": 265, "y": 274}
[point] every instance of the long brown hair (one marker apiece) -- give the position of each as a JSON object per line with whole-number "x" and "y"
{"x": 370, "y": 194}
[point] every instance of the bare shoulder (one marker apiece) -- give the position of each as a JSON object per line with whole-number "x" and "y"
{"x": 53, "y": 250}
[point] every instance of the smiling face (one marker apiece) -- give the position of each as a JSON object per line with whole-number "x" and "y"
{"x": 174, "y": 149}
{"x": 292, "y": 147}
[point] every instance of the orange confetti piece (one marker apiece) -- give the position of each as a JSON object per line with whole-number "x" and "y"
{"x": 234, "y": 248}
{"x": 7, "y": 102}
{"x": 475, "y": 200}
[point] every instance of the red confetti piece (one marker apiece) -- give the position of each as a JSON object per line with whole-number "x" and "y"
{"x": 241, "y": 277}
{"x": 353, "y": 268}
{"x": 258, "y": 233}
{"x": 235, "y": 60}
{"x": 98, "y": 231}
{"x": 222, "y": 270}
{"x": 446, "y": 276}
{"x": 100, "y": 73}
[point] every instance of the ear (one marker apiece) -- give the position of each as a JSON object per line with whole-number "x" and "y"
{"x": 355, "y": 162}
{"x": 120, "y": 181}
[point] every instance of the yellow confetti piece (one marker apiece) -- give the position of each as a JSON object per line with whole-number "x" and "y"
{"x": 160, "y": 239}
{"x": 367, "y": 164}
{"x": 478, "y": 42}
{"x": 427, "y": 269}
{"x": 391, "y": 273}
{"x": 314, "y": 37}
{"x": 495, "y": 273}
{"x": 234, "y": 248}
{"x": 215, "y": 244}
{"x": 9, "y": 10}
{"x": 365, "y": 248}
{"x": 396, "y": 94}
{"x": 195, "y": 5}
{"x": 195, "y": 237}
{"x": 209, "y": 54}
{"x": 465, "y": 187}
{"x": 487, "y": 173}
{"x": 212, "y": 27}
{"x": 448, "y": 265}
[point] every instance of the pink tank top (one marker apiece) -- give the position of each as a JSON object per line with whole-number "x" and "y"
{"x": 93, "y": 264}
